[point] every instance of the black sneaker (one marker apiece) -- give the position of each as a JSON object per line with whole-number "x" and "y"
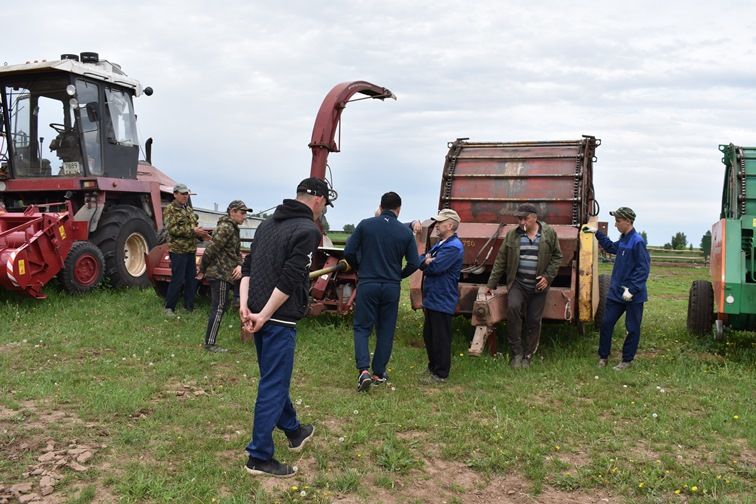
{"x": 298, "y": 439}
{"x": 215, "y": 349}
{"x": 364, "y": 381}
{"x": 379, "y": 379}
{"x": 270, "y": 467}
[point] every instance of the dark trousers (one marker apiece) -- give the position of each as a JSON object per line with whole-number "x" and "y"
{"x": 527, "y": 307}
{"x": 183, "y": 271}
{"x": 437, "y": 336}
{"x": 275, "y": 356}
{"x": 218, "y": 304}
{"x": 633, "y": 316}
{"x": 376, "y": 305}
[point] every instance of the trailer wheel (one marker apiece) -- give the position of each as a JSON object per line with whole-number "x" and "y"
{"x": 125, "y": 234}
{"x": 83, "y": 268}
{"x": 700, "y": 307}
{"x": 604, "y": 283}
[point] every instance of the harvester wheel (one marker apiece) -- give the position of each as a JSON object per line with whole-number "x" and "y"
{"x": 83, "y": 268}
{"x": 604, "y": 282}
{"x": 700, "y": 307}
{"x": 125, "y": 234}
{"x": 161, "y": 288}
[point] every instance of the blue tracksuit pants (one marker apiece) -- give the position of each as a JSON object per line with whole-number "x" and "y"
{"x": 376, "y": 305}
{"x": 633, "y": 316}
{"x": 275, "y": 356}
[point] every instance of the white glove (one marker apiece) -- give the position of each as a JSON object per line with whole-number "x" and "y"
{"x": 626, "y": 296}
{"x": 589, "y": 229}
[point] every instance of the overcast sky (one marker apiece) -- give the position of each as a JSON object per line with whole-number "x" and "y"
{"x": 238, "y": 84}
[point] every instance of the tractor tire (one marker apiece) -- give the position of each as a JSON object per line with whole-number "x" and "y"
{"x": 83, "y": 268}
{"x": 604, "y": 282}
{"x": 124, "y": 235}
{"x": 700, "y": 307}
{"x": 161, "y": 288}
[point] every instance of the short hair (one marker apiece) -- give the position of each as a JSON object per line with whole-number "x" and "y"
{"x": 391, "y": 201}
{"x": 455, "y": 225}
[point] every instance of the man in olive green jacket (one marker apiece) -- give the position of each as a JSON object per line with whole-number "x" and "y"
{"x": 530, "y": 258}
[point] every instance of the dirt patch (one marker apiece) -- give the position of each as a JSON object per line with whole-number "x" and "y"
{"x": 464, "y": 485}
{"x": 53, "y": 456}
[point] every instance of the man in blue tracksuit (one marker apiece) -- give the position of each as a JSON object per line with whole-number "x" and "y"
{"x": 627, "y": 291}
{"x": 376, "y": 250}
{"x": 271, "y": 304}
{"x": 441, "y": 267}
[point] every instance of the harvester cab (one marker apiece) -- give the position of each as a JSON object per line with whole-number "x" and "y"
{"x": 69, "y": 145}
{"x": 68, "y": 118}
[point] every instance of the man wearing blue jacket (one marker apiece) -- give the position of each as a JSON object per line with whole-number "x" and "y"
{"x": 441, "y": 267}
{"x": 627, "y": 291}
{"x": 376, "y": 250}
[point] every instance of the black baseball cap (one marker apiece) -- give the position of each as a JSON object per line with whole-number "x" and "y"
{"x": 316, "y": 187}
{"x": 526, "y": 209}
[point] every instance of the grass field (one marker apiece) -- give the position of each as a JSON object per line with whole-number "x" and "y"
{"x": 113, "y": 402}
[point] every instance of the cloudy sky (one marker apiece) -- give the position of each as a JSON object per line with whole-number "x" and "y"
{"x": 238, "y": 84}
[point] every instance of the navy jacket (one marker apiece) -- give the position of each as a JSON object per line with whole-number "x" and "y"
{"x": 440, "y": 277}
{"x": 631, "y": 265}
{"x": 377, "y": 247}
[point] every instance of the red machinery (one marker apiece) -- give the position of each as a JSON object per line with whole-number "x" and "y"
{"x": 484, "y": 183}
{"x": 83, "y": 106}
{"x": 332, "y": 289}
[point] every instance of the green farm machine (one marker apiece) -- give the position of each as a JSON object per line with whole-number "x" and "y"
{"x": 729, "y": 299}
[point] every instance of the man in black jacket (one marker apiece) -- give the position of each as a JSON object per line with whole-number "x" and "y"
{"x": 279, "y": 262}
{"x": 376, "y": 249}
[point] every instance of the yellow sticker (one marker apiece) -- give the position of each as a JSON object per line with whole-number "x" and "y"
{"x": 62, "y": 231}
{"x": 754, "y": 223}
{"x": 21, "y": 267}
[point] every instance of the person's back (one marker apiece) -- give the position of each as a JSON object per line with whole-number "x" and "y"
{"x": 376, "y": 249}
{"x": 378, "y": 246}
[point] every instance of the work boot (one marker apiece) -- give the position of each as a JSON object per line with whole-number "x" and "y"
{"x": 623, "y": 365}
{"x": 270, "y": 467}
{"x": 300, "y": 437}
{"x": 602, "y": 363}
{"x": 516, "y": 362}
{"x": 432, "y": 379}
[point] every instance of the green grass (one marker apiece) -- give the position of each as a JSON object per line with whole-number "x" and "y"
{"x": 171, "y": 421}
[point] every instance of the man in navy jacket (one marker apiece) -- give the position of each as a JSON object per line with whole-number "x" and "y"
{"x": 627, "y": 291}
{"x": 376, "y": 250}
{"x": 441, "y": 267}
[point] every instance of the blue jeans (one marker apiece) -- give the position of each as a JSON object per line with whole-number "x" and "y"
{"x": 633, "y": 316}
{"x": 275, "y": 356}
{"x": 183, "y": 271}
{"x": 377, "y": 305}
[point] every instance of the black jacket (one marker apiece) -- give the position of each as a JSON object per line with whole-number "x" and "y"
{"x": 280, "y": 257}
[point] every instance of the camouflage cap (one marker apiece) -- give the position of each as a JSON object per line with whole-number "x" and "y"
{"x": 180, "y": 188}
{"x": 237, "y": 205}
{"x": 624, "y": 213}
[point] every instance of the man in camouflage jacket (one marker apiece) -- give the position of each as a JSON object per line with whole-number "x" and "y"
{"x": 181, "y": 223}
{"x": 221, "y": 265}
